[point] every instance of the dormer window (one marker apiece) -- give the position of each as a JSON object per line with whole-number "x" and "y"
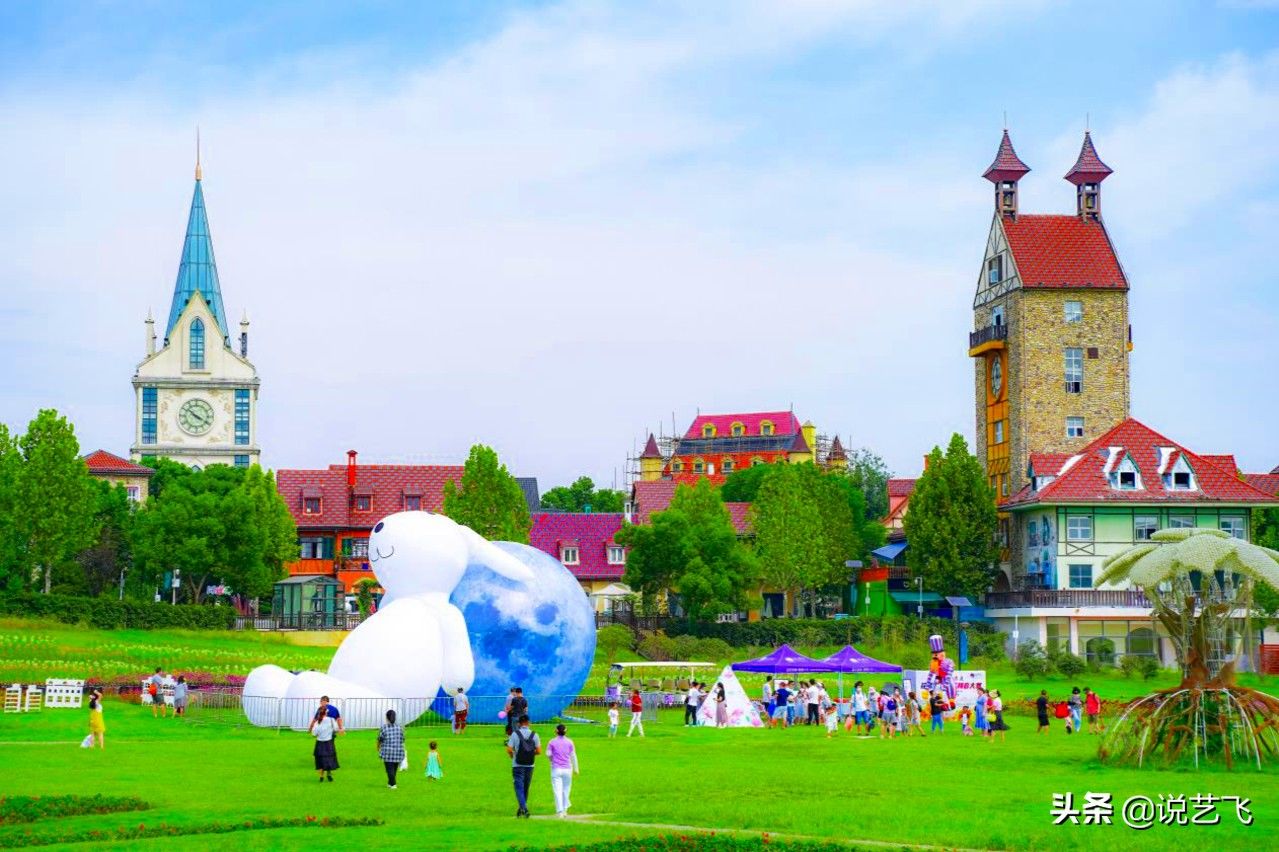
{"x": 699, "y": 466}
{"x": 569, "y": 554}
{"x": 677, "y": 466}
{"x": 362, "y": 503}
{"x": 616, "y": 554}
{"x": 708, "y": 431}
{"x": 195, "y": 357}
{"x": 726, "y": 466}
{"x": 1125, "y": 476}
{"x": 738, "y": 430}
{"x": 757, "y": 461}
{"x": 766, "y": 427}
{"x": 995, "y": 270}
{"x": 311, "y": 505}
{"x": 412, "y": 502}
{"x": 1180, "y": 477}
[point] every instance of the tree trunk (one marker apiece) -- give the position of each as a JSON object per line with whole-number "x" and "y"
{"x": 48, "y": 578}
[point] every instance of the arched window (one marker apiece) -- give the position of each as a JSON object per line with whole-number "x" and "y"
{"x": 699, "y": 466}
{"x": 677, "y": 466}
{"x": 766, "y": 427}
{"x": 708, "y": 431}
{"x": 196, "y": 359}
{"x": 738, "y": 430}
{"x": 726, "y": 466}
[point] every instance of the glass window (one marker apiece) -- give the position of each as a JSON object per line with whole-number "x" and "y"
{"x": 412, "y": 503}
{"x": 995, "y": 270}
{"x": 1074, "y": 369}
{"x": 698, "y": 466}
{"x": 316, "y": 547}
{"x": 1074, "y": 427}
{"x": 677, "y": 466}
{"x": 148, "y": 415}
{"x": 726, "y": 465}
{"x": 616, "y": 554}
{"x": 1127, "y": 480}
{"x": 1178, "y": 480}
{"x": 1058, "y": 635}
{"x": 241, "y": 461}
{"x": 311, "y": 506}
{"x": 133, "y": 492}
{"x": 1143, "y": 526}
{"x": 1079, "y": 528}
{"x": 569, "y": 555}
{"x": 766, "y": 428}
{"x": 708, "y": 431}
{"x": 363, "y": 502}
{"x": 196, "y": 359}
{"x": 997, "y": 315}
{"x": 738, "y": 430}
{"x": 242, "y": 416}
{"x": 1142, "y": 642}
{"x": 1234, "y": 527}
{"x": 355, "y": 548}
{"x": 1181, "y": 522}
{"x": 999, "y": 431}
{"x": 1074, "y": 311}
{"x": 1081, "y": 576}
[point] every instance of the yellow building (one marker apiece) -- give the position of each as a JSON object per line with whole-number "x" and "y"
{"x": 134, "y": 478}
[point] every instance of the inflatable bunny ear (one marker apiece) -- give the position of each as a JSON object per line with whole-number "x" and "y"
{"x": 484, "y": 551}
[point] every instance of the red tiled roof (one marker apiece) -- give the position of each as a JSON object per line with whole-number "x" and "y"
{"x": 785, "y": 422}
{"x": 103, "y": 463}
{"x": 656, "y": 496}
{"x": 1085, "y": 480}
{"x": 1267, "y": 482}
{"x": 1007, "y": 165}
{"x": 1047, "y": 464}
{"x": 650, "y": 449}
{"x": 590, "y": 532}
{"x": 1053, "y": 251}
{"x": 1225, "y": 462}
{"x": 836, "y": 452}
{"x": 799, "y": 445}
{"x": 901, "y": 487}
{"x": 1088, "y": 168}
{"x": 385, "y": 484}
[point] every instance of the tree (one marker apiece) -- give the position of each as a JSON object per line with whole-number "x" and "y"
{"x": 105, "y": 561}
{"x": 692, "y": 548}
{"x": 742, "y": 485}
{"x": 870, "y": 474}
{"x": 1265, "y": 532}
{"x": 952, "y": 522}
{"x": 167, "y": 471}
{"x": 490, "y": 501}
{"x": 12, "y": 550}
{"x": 582, "y": 496}
{"x": 55, "y": 508}
{"x": 789, "y": 537}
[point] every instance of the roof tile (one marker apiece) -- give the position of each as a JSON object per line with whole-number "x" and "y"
{"x": 1060, "y": 251}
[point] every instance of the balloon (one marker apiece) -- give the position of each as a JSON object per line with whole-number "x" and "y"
{"x": 501, "y": 714}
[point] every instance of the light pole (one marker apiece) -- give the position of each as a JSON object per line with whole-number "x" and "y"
{"x": 853, "y": 565}
{"x": 177, "y": 574}
{"x": 919, "y": 609}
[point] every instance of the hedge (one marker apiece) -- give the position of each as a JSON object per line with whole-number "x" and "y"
{"x": 108, "y": 614}
{"x": 983, "y": 639}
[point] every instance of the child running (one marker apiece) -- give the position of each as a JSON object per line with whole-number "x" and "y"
{"x": 434, "y": 769}
{"x": 613, "y": 716}
{"x": 832, "y": 721}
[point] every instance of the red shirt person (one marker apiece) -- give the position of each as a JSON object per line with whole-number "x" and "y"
{"x": 637, "y": 713}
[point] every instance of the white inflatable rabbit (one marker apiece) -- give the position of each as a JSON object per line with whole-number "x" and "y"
{"x": 415, "y": 643}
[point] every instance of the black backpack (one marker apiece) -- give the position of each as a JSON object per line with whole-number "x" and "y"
{"x": 526, "y": 750}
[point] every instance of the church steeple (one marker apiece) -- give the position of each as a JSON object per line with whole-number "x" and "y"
{"x": 1087, "y": 174}
{"x": 198, "y": 271}
{"x": 1004, "y": 173}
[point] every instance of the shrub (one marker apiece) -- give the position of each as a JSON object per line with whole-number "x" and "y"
{"x": 1069, "y": 664}
{"x": 1146, "y": 667}
{"x": 686, "y": 647}
{"x": 1032, "y": 661}
{"x": 914, "y": 658}
{"x": 711, "y": 650}
{"x": 15, "y": 809}
{"x": 867, "y": 630}
{"x": 109, "y": 614}
{"x": 612, "y": 639}
{"x": 656, "y": 646}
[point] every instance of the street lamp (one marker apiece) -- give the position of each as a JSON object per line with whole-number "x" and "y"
{"x": 919, "y": 610}
{"x": 177, "y": 574}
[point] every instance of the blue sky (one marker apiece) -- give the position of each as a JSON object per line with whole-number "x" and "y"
{"x": 553, "y": 226}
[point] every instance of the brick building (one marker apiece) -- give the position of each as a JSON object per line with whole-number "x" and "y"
{"x": 135, "y": 478}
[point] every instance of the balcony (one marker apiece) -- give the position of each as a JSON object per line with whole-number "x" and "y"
{"x": 986, "y": 339}
{"x": 1067, "y": 599}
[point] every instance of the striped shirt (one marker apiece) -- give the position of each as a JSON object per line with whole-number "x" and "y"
{"x": 390, "y": 742}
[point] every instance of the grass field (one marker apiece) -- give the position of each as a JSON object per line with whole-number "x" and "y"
{"x": 947, "y": 791}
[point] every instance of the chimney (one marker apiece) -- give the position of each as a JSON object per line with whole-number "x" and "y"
{"x": 150, "y": 334}
{"x": 350, "y": 468}
{"x": 925, "y": 461}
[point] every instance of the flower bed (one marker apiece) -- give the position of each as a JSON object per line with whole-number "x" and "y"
{"x": 20, "y": 809}
{"x": 695, "y": 842}
{"x": 142, "y": 831}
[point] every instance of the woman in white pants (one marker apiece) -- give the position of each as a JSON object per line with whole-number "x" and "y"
{"x": 563, "y": 756}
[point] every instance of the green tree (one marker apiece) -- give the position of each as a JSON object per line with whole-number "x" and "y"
{"x": 790, "y": 539}
{"x": 56, "y": 505}
{"x": 490, "y": 501}
{"x": 104, "y": 563}
{"x": 952, "y": 522}
{"x": 1265, "y": 532}
{"x": 742, "y": 485}
{"x": 870, "y": 474}
{"x": 166, "y": 471}
{"x": 364, "y": 596}
{"x": 691, "y": 548}
{"x": 583, "y": 496}
{"x": 13, "y": 576}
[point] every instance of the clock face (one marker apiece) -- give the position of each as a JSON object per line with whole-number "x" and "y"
{"x": 996, "y": 377}
{"x": 196, "y": 416}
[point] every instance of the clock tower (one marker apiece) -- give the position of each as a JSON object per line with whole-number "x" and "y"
{"x": 197, "y": 394}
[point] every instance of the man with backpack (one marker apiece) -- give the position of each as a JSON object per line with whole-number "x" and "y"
{"x": 523, "y": 747}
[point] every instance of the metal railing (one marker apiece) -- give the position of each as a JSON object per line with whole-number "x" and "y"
{"x": 1067, "y": 598}
{"x": 987, "y": 334}
{"x": 301, "y": 621}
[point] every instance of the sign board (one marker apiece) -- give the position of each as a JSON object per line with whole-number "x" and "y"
{"x": 966, "y": 683}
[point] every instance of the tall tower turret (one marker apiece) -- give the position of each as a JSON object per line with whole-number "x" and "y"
{"x": 1004, "y": 173}
{"x": 1087, "y": 174}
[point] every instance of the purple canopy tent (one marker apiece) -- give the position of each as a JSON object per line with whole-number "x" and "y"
{"x": 849, "y": 659}
{"x": 785, "y": 660}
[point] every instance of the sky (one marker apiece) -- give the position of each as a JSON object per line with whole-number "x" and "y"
{"x": 554, "y": 227}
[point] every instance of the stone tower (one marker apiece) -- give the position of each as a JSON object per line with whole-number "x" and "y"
{"x": 1051, "y": 340}
{"x": 197, "y": 394}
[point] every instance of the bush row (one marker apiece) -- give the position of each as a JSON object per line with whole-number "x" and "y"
{"x": 15, "y": 809}
{"x": 146, "y": 832}
{"x": 108, "y": 614}
{"x": 697, "y": 842}
{"x": 1035, "y": 662}
{"x": 893, "y": 631}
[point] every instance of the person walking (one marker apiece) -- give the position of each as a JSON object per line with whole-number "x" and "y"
{"x": 936, "y": 709}
{"x": 155, "y": 688}
{"x": 614, "y": 714}
{"x": 1076, "y": 704}
{"x": 721, "y": 707}
{"x": 523, "y": 746}
{"x": 563, "y": 756}
{"x": 324, "y": 728}
{"x": 519, "y": 706}
{"x": 637, "y": 713}
{"x": 690, "y": 704}
{"x": 890, "y": 715}
{"x": 913, "y": 713}
{"x": 461, "y": 706}
{"x": 331, "y": 710}
{"x": 180, "y": 697}
{"x": 97, "y": 727}
{"x": 861, "y": 714}
{"x": 781, "y": 705}
{"x": 979, "y": 710}
{"x": 997, "y": 707}
{"x": 814, "y": 703}
{"x": 1041, "y": 707}
{"x": 769, "y": 704}
{"x": 390, "y": 747}
{"x": 1092, "y": 706}
{"x": 434, "y": 769}
{"x": 506, "y": 711}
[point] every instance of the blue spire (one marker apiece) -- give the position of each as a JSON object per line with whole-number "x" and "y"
{"x": 198, "y": 270}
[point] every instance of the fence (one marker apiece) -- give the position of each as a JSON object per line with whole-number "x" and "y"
{"x": 302, "y": 621}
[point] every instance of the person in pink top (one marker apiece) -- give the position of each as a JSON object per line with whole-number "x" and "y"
{"x": 563, "y": 755}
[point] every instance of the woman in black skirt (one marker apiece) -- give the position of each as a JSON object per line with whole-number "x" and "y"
{"x": 323, "y": 728}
